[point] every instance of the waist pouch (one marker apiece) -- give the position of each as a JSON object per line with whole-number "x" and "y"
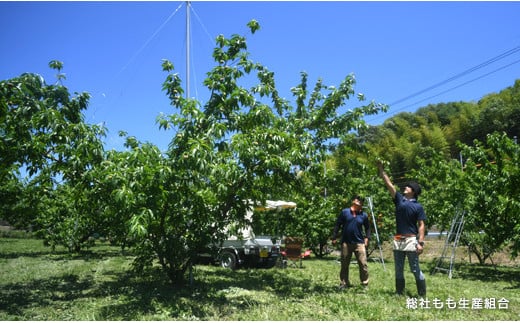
{"x": 403, "y": 243}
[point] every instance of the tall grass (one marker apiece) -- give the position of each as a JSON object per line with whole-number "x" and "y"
{"x": 37, "y": 284}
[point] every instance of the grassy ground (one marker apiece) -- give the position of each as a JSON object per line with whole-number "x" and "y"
{"x": 37, "y": 284}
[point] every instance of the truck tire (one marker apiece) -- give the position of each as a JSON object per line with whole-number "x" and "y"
{"x": 271, "y": 262}
{"x": 228, "y": 260}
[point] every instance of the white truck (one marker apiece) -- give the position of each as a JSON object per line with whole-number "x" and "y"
{"x": 248, "y": 250}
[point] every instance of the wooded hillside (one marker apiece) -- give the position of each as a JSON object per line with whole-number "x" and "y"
{"x": 442, "y": 126}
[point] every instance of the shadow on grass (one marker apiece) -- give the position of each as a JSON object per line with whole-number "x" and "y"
{"x": 133, "y": 295}
{"x": 485, "y": 273}
{"x": 127, "y": 296}
{"x": 16, "y": 297}
{"x": 214, "y": 289}
{"x": 124, "y": 295}
{"x": 100, "y": 251}
{"x": 62, "y": 255}
{"x": 489, "y": 273}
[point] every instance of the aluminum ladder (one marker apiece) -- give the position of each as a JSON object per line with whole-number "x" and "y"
{"x": 371, "y": 206}
{"x": 450, "y": 246}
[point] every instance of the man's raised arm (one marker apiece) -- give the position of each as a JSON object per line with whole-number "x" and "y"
{"x": 386, "y": 179}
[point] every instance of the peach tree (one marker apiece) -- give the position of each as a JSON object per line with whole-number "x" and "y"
{"x": 485, "y": 187}
{"x": 45, "y": 140}
{"x": 245, "y": 145}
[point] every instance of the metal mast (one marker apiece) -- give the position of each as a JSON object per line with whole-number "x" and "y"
{"x": 188, "y": 44}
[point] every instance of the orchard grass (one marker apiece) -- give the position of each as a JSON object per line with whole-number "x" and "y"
{"x": 39, "y": 284}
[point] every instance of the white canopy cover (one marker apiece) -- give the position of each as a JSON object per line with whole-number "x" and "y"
{"x": 270, "y": 205}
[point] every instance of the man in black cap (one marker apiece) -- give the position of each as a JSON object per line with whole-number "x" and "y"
{"x": 409, "y": 240}
{"x": 352, "y": 222}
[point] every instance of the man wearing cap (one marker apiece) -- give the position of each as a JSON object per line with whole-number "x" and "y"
{"x": 352, "y": 221}
{"x": 409, "y": 240}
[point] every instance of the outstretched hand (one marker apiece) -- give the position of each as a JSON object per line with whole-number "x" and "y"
{"x": 380, "y": 166}
{"x": 384, "y": 176}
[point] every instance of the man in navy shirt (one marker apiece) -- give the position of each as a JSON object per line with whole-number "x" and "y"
{"x": 351, "y": 221}
{"x": 410, "y": 225}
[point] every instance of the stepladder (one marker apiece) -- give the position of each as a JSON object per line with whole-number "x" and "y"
{"x": 374, "y": 222}
{"x": 447, "y": 258}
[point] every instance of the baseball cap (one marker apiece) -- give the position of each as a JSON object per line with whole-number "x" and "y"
{"x": 415, "y": 187}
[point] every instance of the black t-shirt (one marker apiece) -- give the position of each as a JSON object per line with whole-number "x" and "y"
{"x": 352, "y": 226}
{"x": 407, "y": 213}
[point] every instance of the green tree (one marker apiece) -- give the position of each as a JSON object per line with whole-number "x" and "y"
{"x": 460, "y": 127}
{"x": 43, "y": 133}
{"x": 493, "y": 178}
{"x": 485, "y": 189}
{"x": 244, "y": 146}
{"x": 444, "y": 188}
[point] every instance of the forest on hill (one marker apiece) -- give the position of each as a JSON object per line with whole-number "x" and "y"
{"x": 443, "y": 127}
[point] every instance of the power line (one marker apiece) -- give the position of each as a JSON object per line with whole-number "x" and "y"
{"x": 460, "y": 85}
{"x": 459, "y": 75}
{"x": 156, "y": 32}
{"x": 210, "y": 37}
{"x": 470, "y": 70}
{"x": 211, "y": 40}
{"x": 138, "y": 52}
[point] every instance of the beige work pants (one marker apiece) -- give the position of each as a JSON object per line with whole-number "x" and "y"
{"x": 361, "y": 256}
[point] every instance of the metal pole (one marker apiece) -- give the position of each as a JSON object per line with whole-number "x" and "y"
{"x": 188, "y": 41}
{"x": 188, "y": 44}
{"x": 371, "y": 206}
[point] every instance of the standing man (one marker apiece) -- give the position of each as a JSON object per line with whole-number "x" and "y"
{"x": 351, "y": 221}
{"x": 409, "y": 240}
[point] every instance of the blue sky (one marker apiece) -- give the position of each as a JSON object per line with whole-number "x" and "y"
{"x": 114, "y": 50}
